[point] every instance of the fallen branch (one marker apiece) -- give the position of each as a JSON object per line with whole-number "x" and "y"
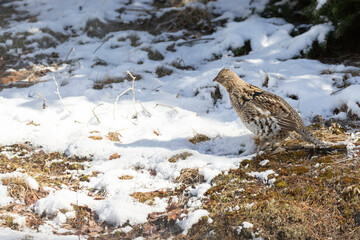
{"x": 93, "y": 111}
{"x": 58, "y": 93}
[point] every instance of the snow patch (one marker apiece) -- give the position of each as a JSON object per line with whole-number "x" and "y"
{"x": 191, "y": 219}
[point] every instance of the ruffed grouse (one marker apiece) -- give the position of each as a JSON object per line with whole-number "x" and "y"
{"x": 268, "y": 116}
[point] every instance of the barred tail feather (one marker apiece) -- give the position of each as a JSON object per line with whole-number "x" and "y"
{"x": 311, "y": 138}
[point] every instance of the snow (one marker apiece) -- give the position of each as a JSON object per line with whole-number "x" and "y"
{"x": 247, "y": 225}
{"x": 9, "y": 234}
{"x": 263, "y": 176}
{"x": 176, "y": 106}
{"x": 264, "y": 162}
{"x": 4, "y": 198}
{"x": 193, "y": 218}
{"x": 61, "y": 200}
{"x": 33, "y": 184}
{"x": 320, "y": 3}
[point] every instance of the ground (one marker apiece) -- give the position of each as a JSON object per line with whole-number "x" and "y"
{"x": 113, "y": 128}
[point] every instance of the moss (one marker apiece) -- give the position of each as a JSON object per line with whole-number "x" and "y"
{"x": 244, "y": 50}
{"x": 8, "y": 221}
{"x": 281, "y": 184}
{"x": 327, "y": 174}
{"x": 300, "y": 170}
{"x": 84, "y": 178}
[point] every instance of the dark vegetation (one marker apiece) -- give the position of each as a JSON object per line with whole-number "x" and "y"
{"x": 343, "y": 43}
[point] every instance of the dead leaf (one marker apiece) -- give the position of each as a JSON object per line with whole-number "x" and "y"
{"x": 149, "y": 229}
{"x": 31, "y": 198}
{"x": 96, "y": 137}
{"x": 114, "y": 136}
{"x": 33, "y": 123}
{"x": 157, "y": 133}
{"x": 126, "y": 177}
{"x": 174, "y": 214}
{"x": 152, "y": 172}
{"x": 114, "y": 156}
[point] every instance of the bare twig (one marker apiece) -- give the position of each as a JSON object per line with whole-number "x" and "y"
{"x": 195, "y": 40}
{"x": 58, "y": 93}
{"x": 132, "y": 88}
{"x": 44, "y": 100}
{"x": 117, "y": 99}
{"x": 71, "y": 50}
{"x": 104, "y": 41}
{"x": 93, "y": 111}
{"x": 163, "y": 105}
{"x": 140, "y": 10}
{"x": 149, "y": 114}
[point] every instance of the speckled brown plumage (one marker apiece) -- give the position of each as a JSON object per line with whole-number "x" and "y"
{"x": 268, "y": 116}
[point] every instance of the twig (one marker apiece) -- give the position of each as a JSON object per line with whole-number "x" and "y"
{"x": 139, "y": 10}
{"x": 93, "y": 111}
{"x": 71, "y": 50}
{"x": 133, "y": 89}
{"x": 133, "y": 92}
{"x": 154, "y": 89}
{"x": 163, "y": 105}
{"x": 195, "y": 40}
{"x": 44, "y": 100}
{"x": 195, "y": 132}
{"x": 149, "y": 114}
{"x": 103, "y": 42}
{"x": 58, "y": 93}
{"x": 335, "y": 92}
{"x": 117, "y": 99}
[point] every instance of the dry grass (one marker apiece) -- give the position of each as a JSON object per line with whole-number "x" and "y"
{"x": 163, "y": 71}
{"x": 22, "y": 78}
{"x": 107, "y": 81}
{"x": 19, "y": 189}
{"x": 180, "y": 64}
{"x": 199, "y": 138}
{"x": 189, "y": 176}
{"x": 316, "y": 195}
{"x": 177, "y": 157}
{"x": 49, "y": 170}
{"x": 153, "y": 54}
{"x": 8, "y": 221}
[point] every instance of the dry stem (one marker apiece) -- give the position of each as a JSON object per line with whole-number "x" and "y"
{"x": 44, "y": 100}
{"x": 163, "y": 105}
{"x": 133, "y": 93}
{"x": 93, "y": 111}
{"x": 149, "y": 114}
{"x": 71, "y": 50}
{"x": 58, "y": 93}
